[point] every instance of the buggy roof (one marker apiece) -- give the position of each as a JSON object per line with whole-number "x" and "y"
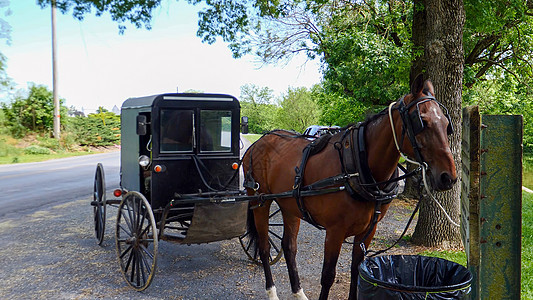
{"x": 150, "y": 101}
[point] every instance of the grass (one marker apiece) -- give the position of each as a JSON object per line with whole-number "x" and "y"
{"x": 455, "y": 256}
{"x": 527, "y": 245}
{"x": 41, "y": 149}
{"x": 527, "y": 176}
{"x": 25, "y": 158}
{"x": 251, "y": 137}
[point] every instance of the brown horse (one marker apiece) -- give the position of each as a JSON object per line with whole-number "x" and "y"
{"x": 343, "y": 214}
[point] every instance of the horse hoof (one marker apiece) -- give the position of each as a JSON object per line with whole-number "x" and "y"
{"x": 300, "y": 295}
{"x": 272, "y": 294}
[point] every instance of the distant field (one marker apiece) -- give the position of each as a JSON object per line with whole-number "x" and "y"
{"x": 252, "y": 137}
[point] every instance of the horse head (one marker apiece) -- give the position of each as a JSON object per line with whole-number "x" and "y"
{"x": 428, "y": 125}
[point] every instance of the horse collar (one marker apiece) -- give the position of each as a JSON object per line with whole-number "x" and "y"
{"x": 354, "y": 160}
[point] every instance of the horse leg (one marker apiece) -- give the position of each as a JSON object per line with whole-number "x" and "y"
{"x": 261, "y": 223}
{"x": 291, "y": 226}
{"x": 357, "y": 258}
{"x": 332, "y": 248}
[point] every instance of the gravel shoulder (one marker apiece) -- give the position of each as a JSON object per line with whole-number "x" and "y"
{"x": 52, "y": 254}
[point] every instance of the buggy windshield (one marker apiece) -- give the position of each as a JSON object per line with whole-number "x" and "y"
{"x": 178, "y": 130}
{"x": 215, "y": 131}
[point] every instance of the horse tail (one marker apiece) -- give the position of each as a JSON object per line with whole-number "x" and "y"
{"x": 253, "y": 236}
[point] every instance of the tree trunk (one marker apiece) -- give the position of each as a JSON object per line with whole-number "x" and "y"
{"x": 418, "y": 37}
{"x": 443, "y": 55}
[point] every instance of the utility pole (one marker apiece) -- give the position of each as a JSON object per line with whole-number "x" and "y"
{"x": 57, "y": 115}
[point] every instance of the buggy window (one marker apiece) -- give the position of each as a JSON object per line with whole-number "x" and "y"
{"x": 177, "y": 130}
{"x": 215, "y": 130}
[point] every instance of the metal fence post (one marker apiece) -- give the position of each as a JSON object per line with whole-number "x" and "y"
{"x": 491, "y": 202}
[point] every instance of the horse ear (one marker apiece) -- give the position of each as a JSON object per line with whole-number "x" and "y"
{"x": 418, "y": 85}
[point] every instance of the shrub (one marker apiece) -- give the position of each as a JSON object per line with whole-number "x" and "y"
{"x": 34, "y": 149}
{"x": 95, "y": 131}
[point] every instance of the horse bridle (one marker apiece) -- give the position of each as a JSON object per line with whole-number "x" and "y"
{"x": 412, "y": 123}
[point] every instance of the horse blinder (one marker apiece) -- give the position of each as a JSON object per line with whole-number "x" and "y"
{"x": 418, "y": 125}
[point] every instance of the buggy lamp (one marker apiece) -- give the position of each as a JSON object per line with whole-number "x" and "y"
{"x": 159, "y": 168}
{"x": 144, "y": 161}
{"x": 117, "y": 193}
{"x": 234, "y": 166}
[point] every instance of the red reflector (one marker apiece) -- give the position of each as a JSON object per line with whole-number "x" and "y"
{"x": 158, "y": 168}
{"x": 235, "y": 166}
{"x": 117, "y": 192}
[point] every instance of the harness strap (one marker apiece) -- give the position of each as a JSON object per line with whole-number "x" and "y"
{"x": 296, "y": 189}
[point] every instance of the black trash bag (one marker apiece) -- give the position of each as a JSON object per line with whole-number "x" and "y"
{"x": 412, "y": 277}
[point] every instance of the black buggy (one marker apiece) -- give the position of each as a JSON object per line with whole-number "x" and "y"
{"x": 179, "y": 180}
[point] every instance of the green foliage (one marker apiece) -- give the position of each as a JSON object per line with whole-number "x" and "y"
{"x": 5, "y": 81}
{"x": 257, "y": 105}
{"x": 101, "y": 129}
{"x": 504, "y": 95}
{"x": 138, "y": 12}
{"x": 367, "y": 52}
{"x": 527, "y": 246}
{"x": 298, "y": 110}
{"x": 338, "y": 109}
{"x": 498, "y": 36}
{"x": 32, "y": 112}
{"x": 34, "y": 149}
{"x": 455, "y": 256}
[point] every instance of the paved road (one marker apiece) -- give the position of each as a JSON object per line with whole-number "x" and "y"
{"x": 31, "y": 185}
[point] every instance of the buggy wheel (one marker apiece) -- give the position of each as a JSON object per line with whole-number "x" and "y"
{"x": 249, "y": 242}
{"x": 136, "y": 240}
{"x": 99, "y": 203}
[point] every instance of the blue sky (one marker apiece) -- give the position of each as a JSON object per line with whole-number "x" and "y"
{"x": 99, "y": 67}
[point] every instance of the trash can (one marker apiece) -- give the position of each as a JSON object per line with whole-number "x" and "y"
{"x": 412, "y": 277}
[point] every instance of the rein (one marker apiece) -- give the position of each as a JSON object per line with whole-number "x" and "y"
{"x": 421, "y": 165}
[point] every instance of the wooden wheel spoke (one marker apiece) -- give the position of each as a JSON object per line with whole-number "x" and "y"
{"x": 128, "y": 232}
{"x": 138, "y": 267}
{"x": 133, "y": 266}
{"x": 274, "y": 234}
{"x": 274, "y": 213}
{"x": 273, "y": 244}
{"x": 128, "y": 263}
{"x": 126, "y": 251}
{"x": 250, "y": 243}
{"x": 147, "y": 252}
{"x": 129, "y": 217}
{"x": 145, "y": 230}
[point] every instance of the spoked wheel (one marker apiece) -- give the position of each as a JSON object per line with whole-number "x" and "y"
{"x": 99, "y": 203}
{"x": 250, "y": 244}
{"x": 136, "y": 240}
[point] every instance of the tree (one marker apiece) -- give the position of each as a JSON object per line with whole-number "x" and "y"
{"x": 5, "y": 33}
{"x": 442, "y": 36}
{"x": 5, "y": 28}
{"x": 298, "y": 110}
{"x": 32, "y": 112}
{"x": 257, "y": 103}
